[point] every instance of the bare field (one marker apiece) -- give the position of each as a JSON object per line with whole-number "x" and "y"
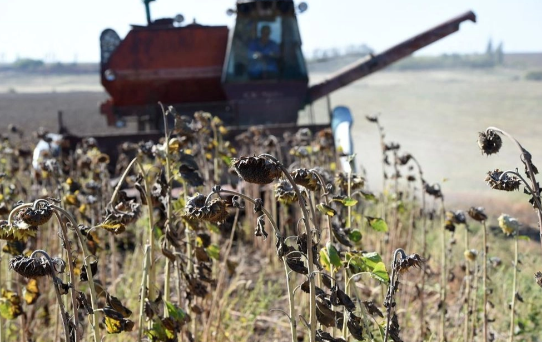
{"x": 435, "y": 115}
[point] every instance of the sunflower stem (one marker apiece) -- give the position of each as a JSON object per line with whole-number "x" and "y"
{"x": 514, "y": 290}
{"x": 468, "y": 288}
{"x": 310, "y": 259}
{"x": 86, "y": 254}
{"x": 484, "y": 281}
{"x": 67, "y": 247}
{"x": 143, "y": 292}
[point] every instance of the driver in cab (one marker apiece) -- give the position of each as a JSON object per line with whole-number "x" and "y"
{"x": 263, "y": 54}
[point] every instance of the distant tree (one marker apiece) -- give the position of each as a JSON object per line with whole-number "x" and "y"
{"x": 490, "y": 55}
{"x": 499, "y": 54}
{"x": 489, "y": 48}
{"x": 28, "y": 64}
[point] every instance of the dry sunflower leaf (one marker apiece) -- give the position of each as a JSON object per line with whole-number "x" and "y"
{"x": 93, "y": 267}
{"x": 354, "y": 326}
{"x": 323, "y": 336}
{"x": 10, "y": 305}
{"x": 326, "y": 209}
{"x": 31, "y": 292}
{"x": 326, "y": 316}
{"x": 114, "y": 322}
{"x": 297, "y": 265}
{"x": 116, "y": 304}
{"x": 372, "y": 309}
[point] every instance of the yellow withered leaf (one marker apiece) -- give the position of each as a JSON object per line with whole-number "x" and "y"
{"x": 72, "y": 199}
{"x": 115, "y": 323}
{"x": 10, "y": 304}
{"x": 31, "y": 292}
{"x": 113, "y": 226}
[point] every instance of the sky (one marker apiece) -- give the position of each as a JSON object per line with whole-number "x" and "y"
{"x": 69, "y": 30}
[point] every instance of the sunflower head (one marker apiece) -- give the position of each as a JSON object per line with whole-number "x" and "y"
{"x": 257, "y": 170}
{"x": 470, "y": 254}
{"x": 477, "y": 214}
{"x": 306, "y": 178}
{"x": 407, "y": 262}
{"x": 500, "y": 181}
{"x": 284, "y": 192}
{"x": 214, "y": 211}
{"x": 489, "y": 142}
{"x": 508, "y": 224}
{"x": 31, "y": 267}
{"x": 36, "y": 217}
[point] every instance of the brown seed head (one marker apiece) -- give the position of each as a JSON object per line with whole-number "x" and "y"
{"x": 457, "y": 217}
{"x": 36, "y": 217}
{"x": 490, "y": 142}
{"x": 257, "y": 170}
{"x": 413, "y": 260}
{"x": 477, "y": 214}
{"x": 284, "y": 192}
{"x": 214, "y": 211}
{"x": 500, "y": 181}
{"x": 30, "y": 267}
{"x": 306, "y": 178}
{"x": 356, "y": 182}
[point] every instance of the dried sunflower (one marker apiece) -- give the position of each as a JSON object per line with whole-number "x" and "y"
{"x": 306, "y": 178}
{"x": 500, "y": 181}
{"x": 477, "y": 214}
{"x": 449, "y": 225}
{"x": 356, "y": 182}
{"x": 432, "y": 190}
{"x": 257, "y": 170}
{"x": 391, "y": 146}
{"x": 373, "y": 118}
{"x": 31, "y": 267}
{"x": 404, "y": 159}
{"x": 413, "y": 260}
{"x": 490, "y": 142}
{"x": 18, "y": 230}
{"x": 36, "y": 217}
{"x": 284, "y": 192}
{"x": 471, "y": 254}
{"x": 214, "y": 211}
{"x": 508, "y": 224}
{"x": 456, "y": 217}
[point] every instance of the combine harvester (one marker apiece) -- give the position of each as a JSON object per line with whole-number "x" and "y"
{"x": 253, "y": 75}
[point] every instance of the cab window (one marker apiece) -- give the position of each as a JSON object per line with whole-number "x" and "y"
{"x": 265, "y": 48}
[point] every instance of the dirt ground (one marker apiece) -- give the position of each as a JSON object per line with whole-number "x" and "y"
{"x": 434, "y": 115}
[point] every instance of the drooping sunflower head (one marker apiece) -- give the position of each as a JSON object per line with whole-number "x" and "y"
{"x": 489, "y": 142}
